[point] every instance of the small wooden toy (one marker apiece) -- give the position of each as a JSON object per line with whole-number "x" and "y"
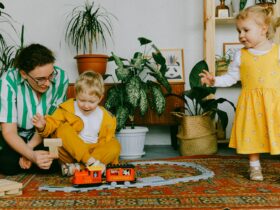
{"x": 53, "y": 144}
{"x": 8, "y": 187}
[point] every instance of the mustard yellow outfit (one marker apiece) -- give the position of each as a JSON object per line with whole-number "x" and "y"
{"x": 64, "y": 124}
{"x": 256, "y": 127}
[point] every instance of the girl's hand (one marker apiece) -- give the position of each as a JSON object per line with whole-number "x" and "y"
{"x": 39, "y": 121}
{"x": 43, "y": 159}
{"x": 24, "y": 163}
{"x": 207, "y": 78}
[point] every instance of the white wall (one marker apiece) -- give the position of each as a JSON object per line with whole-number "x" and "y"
{"x": 169, "y": 23}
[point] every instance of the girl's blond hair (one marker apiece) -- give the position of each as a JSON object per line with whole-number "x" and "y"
{"x": 91, "y": 82}
{"x": 262, "y": 15}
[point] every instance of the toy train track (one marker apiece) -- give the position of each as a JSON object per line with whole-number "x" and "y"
{"x": 143, "y": 182}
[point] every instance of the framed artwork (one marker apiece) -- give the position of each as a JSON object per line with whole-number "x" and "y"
{"x": 175, "y": 65}
{"x": 230, "y": 48}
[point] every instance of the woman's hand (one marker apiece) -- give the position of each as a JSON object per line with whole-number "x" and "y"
{"x": 39, "y": 121}
{"x": 24, "y": 163}
{"x": 43, "y": 159}
{"x": 207, "y": 78}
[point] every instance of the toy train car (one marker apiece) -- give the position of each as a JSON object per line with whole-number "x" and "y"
{"x": 115, "y": 173}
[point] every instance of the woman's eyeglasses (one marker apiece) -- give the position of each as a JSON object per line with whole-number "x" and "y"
{"x": 42, "y": 80}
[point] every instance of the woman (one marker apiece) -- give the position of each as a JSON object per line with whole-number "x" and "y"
{"x": 35, "y": 85}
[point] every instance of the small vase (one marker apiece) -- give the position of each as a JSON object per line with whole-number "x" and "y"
{"x": 235, "y": 7}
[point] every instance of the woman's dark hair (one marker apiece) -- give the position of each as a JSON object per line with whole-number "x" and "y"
{"x": 32, "y": 56}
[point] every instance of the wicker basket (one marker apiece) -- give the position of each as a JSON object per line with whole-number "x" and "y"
{"x": 204, "y": 145}
{"x": 196, "y": 135}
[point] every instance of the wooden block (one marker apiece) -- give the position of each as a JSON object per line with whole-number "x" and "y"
{"x": 8, "y": 187}
{"x": 53, "y": 144}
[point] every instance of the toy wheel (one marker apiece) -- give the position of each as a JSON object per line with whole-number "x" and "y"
{"x": 113, "y": 184}
{"x": 126, "y": 183}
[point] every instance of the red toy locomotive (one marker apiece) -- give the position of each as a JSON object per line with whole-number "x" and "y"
{"x": 92, "y": 175}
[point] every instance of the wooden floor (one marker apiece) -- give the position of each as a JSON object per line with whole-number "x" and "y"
{"x": 167, "y": 151}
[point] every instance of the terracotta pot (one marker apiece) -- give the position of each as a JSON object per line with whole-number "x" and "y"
{"x": 95, "y": 62}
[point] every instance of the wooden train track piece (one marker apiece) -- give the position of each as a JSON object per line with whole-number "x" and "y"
{"x": 8, "y": 187}
{"x": 144, "y": 182}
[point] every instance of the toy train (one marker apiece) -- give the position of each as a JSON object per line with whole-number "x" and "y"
{"x": 115, "y": 173}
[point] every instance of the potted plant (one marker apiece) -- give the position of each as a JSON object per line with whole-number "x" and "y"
{"x": 139, "y": 86}
{"x": 88, "y": 26}
{"x": 197, "y": 134}
{"x": 222, "y": 63}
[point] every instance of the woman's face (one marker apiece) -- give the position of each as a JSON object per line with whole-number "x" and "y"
{"x": 40, "y": 78}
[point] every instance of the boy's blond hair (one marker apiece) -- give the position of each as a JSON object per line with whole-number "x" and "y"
{"x": 263, "y": 16}
{"x": 91, "y": 82}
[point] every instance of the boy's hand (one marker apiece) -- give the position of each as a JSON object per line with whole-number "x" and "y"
{"x": 39, "y": 121}
{"x": 207, "y": 78}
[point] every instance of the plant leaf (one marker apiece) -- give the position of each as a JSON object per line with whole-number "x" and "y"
{"x": 132, "y": 89}
{"x": 137, "y": 61}
{"x": 2, "y": 6}
{"x": 223, "y": 117}
{"x": 144, "y": 41}
{"x": 122, "y": 116}
{"x": 143, "y": 102}
{"x": 158, "y": 99}
{"x": 160, "y": 77}
{"x": 112, "y": 100}
{"x": 194, "y": 77}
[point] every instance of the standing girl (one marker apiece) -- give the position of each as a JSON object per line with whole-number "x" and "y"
{"x": 256, "y": 127}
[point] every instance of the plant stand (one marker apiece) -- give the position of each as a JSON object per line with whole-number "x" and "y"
{"x": 132, "y": 142}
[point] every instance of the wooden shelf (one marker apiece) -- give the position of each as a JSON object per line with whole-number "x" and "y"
{"x": 222, "y": 21}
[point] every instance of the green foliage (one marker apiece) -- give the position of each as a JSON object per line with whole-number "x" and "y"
{"x": 88, "y": 25}
{"x": 199, "y": 99}
{"x": 242, "y": 4}
{"x": 5, "y": 18}
{"x": 8, "y": 52}
{"x": 133, "y": 92}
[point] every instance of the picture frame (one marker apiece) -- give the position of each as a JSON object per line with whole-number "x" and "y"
{"x": 229, "y": 48}
{"x": 175, "y": 65}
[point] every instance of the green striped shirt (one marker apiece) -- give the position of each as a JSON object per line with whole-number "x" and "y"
{"x": 19, "y": 103}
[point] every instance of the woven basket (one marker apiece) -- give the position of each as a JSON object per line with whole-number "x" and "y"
{"x": 204, "y": 145}
{"x": 196, "y": 134}
{"x": 195, "y": 126}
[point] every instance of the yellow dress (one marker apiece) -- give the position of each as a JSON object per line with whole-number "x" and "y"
{"x": 256, "y": 127}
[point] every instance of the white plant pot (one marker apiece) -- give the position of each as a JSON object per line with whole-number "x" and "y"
{"x": 132, "y": 142}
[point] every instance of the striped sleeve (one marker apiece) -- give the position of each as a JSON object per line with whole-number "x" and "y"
{"x": 8, "y": 89}
{"x": 62, "y": 86}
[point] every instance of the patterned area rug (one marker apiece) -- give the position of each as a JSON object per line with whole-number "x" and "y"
{"x": 229, "y": 189}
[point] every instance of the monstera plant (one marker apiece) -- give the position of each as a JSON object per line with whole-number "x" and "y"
{"x": 140, "y": 84}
